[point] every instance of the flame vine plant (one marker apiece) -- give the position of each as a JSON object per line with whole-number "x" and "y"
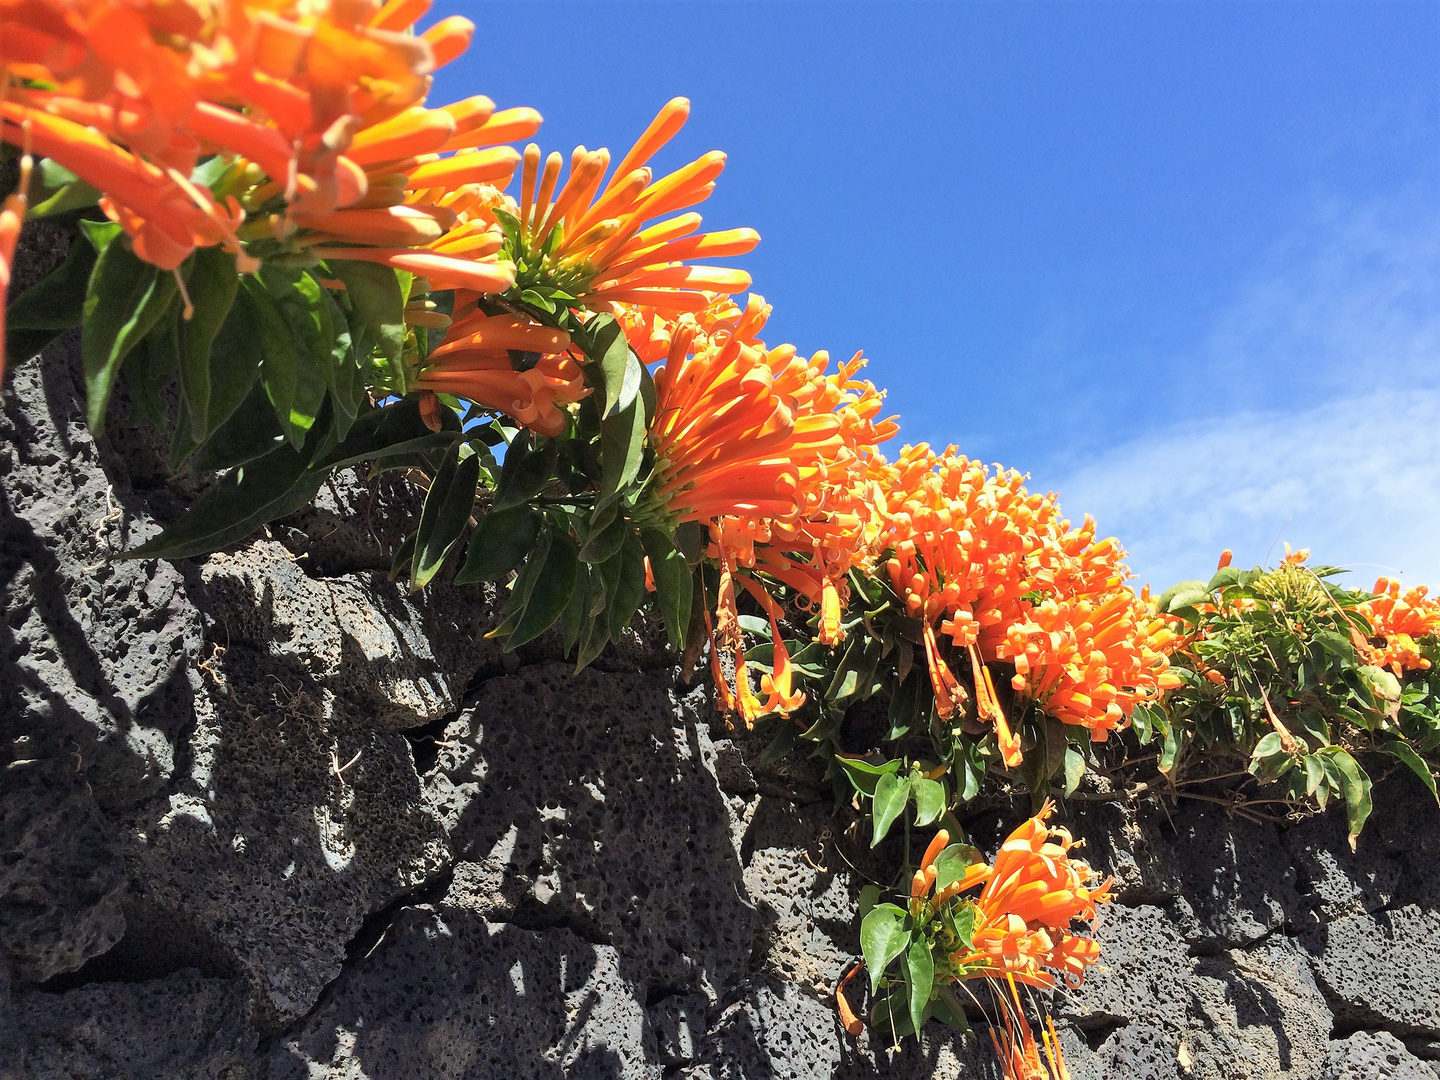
{"x": 295, "y": 263}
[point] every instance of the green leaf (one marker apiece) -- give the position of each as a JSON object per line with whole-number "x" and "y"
{"x": 951, "y": 864}
{"x": 1223, "y": 578}
{"x": 56, "y": 190}
{"x": 624, "y": 598}
{"x": 124, "y": 299}
{"x": 864, "y": 775}
{"x": 550, "y": 594}
{"x": 447, "y": 509}
{"x": 377, "y": 305}
{"x": 1186, "y": 594}
{"x": 1268, "y": 746}
{"x": 1382, "y": 684}
{"x": 1356, "y": 786}
{"x": 963, "y": 923}
{"x": 1338, "y": 645}
{"x": 606, "y": 536}
{"x": 919, "y": 978}
{"x": 212, "y": 283}
{"x": 572, "y": 619}
{"x": 869, "y": 897}
{"x": 500, "y": 541}
{"x": 250, "y": 432}
{"x": 54, "y": 303}
{"x": 1407, "y": 754}
{"x": 393, "y": 431}
{"x": 1314, "y": 774}
{"x": 343, "y": 374}
{"x": 295, "y": 351}
{"x": 674, "y": 586}
{"x": 883, "y": 937}
{"x": 605, "y": 345}
{"x": 622, "y": 442}
{"x": 929, "y": 799}
{"x": 526, "y": 471}
{"x": 1074, "y": 770}
{"x": 404, "y": 557}
{"x": 246, "y": 498}
{"x": 948, "y": 1009}
{"x": 891, "y": 795}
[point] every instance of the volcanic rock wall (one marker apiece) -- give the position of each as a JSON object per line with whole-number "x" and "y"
{"x": 266, "y": 815}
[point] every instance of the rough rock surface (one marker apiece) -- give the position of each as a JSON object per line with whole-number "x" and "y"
{"x": 264, "y": 815}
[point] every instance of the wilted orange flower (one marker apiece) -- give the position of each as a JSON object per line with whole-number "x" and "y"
{"x": 1401, "y": 620}
{"x": 591, "y": 241}
{"x": 473, "y": 361}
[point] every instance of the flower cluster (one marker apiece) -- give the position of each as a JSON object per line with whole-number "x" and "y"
{"x": 1400, "y": 621}
{"x": 1007, "y": 579}
{"x": 775, "y": 456}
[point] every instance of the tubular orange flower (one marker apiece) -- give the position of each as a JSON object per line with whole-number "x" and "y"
{"x": 765, "y": 449}
{"x": 1400, "y": 620}
{"x": 1023, "y": 915}
{"x": 1009, "y": 580}
{"x": 473, "y": 361}
{"x": 588, "y": 237}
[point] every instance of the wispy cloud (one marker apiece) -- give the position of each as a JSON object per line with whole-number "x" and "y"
{"x": 1327, "y": 431}
{"x": 1357, "y": 481}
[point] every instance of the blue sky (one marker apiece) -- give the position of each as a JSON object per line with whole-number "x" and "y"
{"x": 1180, "y": 262}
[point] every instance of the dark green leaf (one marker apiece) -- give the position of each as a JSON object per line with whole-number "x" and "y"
{"x": 572, "y": 619}
{"x": 1405, "y": 753}
{"x": 605, "y": 345}
{"x": 377, "y": 305}
{"x": 404, "y": 557}
{"x": 212, "y": 283}
{"x": 605, "y": 539}
{"x": 883, "y": 937}
{"x": 54, "y": 303}
{"x": 891, "y": 795}
{"x": 392, "y": 431}
{"x": 550, "y": 594}
{"x": 629, "y": 586}
{"x": 448, "y": 505}
{"x": 246, "y": 498}
{"x": 250, "y": 432}
{"x": 500, "y": 541}
{"x": 622, "y": 441}
{"x": 526, "y": 471}
{"x": 295, "y": 350}
{"x": 673, "y": 584}
{"x": 125, "y": 298}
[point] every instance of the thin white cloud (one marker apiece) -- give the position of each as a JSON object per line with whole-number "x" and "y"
{"x": 1350, "y": 468}
{"x": 1357, "y": 481}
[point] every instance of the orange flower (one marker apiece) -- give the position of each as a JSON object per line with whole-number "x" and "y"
{"x": 765, "y": 449}
{"x": 1007, "y": 579}
{"x": 1401, "y": 620}
{"x": 473, "y": 361}
{"x": 591, "y": 241}
{"x": 1032, "y": 894}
